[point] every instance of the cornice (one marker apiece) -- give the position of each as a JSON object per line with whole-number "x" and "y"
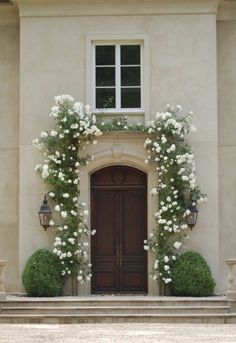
{"x": 227, "y": 11}
{"x": 9, "y": 14}
{"x": 50, "y": 8}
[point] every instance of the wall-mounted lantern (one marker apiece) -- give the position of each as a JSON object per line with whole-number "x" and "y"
{"x": 45, "y": 214}
{"x": 192, "y": 216}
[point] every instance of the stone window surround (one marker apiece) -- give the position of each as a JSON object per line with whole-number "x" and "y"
{"x": 91, "y": 40}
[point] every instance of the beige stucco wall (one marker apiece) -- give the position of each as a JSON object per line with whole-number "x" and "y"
{"x": 182, "y": 62}
{"x": 227, "y": 139}
{"x": 9, "y": 151}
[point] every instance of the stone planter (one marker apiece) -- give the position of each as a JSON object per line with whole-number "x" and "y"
{"x": 3, "y": 263}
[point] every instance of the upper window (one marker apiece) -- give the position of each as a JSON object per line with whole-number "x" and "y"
{"x": 117, "y": 77}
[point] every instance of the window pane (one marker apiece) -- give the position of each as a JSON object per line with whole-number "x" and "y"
{"x": 130, "y": 54}
{"x": 105, "y": 76}
{"x": 130, "y": 97}
{"x": 130, "y": 76}
{"x": 105, "y": 98}
{"x": 105, "y": 55}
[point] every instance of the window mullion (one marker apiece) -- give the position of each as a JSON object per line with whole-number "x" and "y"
{"x": 94, "y": 76}
{"x": 141, "y": 76}
{"x": 118, "y": 81}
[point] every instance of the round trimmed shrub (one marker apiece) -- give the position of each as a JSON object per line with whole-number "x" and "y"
{"x": 42, "y": 275}
{"x": 191, "y": 276}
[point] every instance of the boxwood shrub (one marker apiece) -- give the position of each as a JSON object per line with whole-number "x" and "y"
{"x": 191, "y": 276}
{"x": 42, "y": 275}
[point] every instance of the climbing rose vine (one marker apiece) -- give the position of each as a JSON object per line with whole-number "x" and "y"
{"x": 176, "y": 182}
{"x": 63, "y": 146}
{"x": 176, "y": 186}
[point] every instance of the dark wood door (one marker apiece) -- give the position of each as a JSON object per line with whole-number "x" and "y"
{"x": 119, "y": 216}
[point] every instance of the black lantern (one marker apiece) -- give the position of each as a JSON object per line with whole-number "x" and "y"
{"x": 45, "y": 214}
{"x": 192, "y": 216}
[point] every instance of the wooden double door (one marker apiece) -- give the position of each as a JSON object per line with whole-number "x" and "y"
{"x": 119, "y": 216}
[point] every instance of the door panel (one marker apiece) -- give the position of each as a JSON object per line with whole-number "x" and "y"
{"x": 119, "y": 215}
{"x": 104, "y": 246}
{"x": 133, "y": 267}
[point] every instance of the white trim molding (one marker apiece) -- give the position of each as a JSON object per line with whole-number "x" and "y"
{"x": 49, "y": 8}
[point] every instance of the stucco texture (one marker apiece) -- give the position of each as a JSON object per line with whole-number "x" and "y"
{"x": 9, "y": 152}
{"x": 227, "y": 139}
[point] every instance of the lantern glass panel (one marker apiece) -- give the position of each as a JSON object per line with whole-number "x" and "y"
{"x": 44, "y": 218}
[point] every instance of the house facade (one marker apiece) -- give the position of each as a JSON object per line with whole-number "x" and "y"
{"x": 152, "y": 53}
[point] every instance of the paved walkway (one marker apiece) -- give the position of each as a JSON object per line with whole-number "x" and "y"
{"x": 118, "y": 333}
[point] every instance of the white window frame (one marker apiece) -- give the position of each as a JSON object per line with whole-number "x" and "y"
{"x": 143, "y": 41}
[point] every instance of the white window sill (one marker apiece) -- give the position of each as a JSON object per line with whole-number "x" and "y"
{"x": 120, "y": 112}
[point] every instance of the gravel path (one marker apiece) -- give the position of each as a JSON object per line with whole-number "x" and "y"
{"x": 114, "y": 333}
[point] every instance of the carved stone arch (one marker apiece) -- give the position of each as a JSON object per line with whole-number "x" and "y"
{"x": 106, "y": 158}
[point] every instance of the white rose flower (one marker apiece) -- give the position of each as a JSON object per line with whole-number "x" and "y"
{"x": 45, "y": 172}
{"x": 166, "y": 259}
{"x": 64, "y": 214}
{"x": 166, "y": 267}
{"x": 65, "y": 195}
{"x": 71, "y": 240}
{"x": 163, "y": 139}
{"x": 147, "y": 142}
{"x": 57, "y": 208}
{"x": 53, "y": 133}
{"x": 44, "y": 134}
{"x": 177, "y": 245}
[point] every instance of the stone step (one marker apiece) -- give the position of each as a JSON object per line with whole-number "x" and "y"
{"x": 210, "y": 318}
{"x": 89, "y": 310}
{"x": 108, "y": 309}
{"x": 110, "y": 301}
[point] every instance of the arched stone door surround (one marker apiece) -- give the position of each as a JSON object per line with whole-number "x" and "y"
{"x": 120, "y": 149}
